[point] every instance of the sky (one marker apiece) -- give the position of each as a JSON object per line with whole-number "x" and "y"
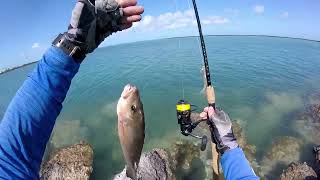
{"x": 29, "y": 27}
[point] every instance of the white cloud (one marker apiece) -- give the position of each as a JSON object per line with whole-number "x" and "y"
{"x": 285, "y": 14}
{"x": 35, "y": 45}
{"x": 258, "y": 9}
{"x": 176, "y": 20}
{"x": 215, "y": 20}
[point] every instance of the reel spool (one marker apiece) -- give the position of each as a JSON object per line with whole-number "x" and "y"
{"x": 186, "y": 125}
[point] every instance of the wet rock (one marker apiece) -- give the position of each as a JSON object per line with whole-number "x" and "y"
{"x": 313, "y": 111}
{"x": 181, "y": 161}
{"x": 74, "y": 162}
{"x": 309, "y": 124}
{"x": 298, "y": 171}
{"x": 185, "y": 160}
{"x": 153, "y": 165}
{"x": 309, "y": 129}
{"x": 249, "y": 150}
{"x": 283, "y": 151}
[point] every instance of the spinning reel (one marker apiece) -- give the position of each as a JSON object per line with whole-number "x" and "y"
{"x": 186, "y": 125}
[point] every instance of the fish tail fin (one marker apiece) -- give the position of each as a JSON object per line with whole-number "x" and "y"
{"x": 131, "y": 172}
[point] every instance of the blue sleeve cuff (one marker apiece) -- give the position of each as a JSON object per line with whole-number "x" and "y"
{"x": 236, "y": 166}
{"x": 60, "y": 59}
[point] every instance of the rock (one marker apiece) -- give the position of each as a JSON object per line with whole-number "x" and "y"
{"x": 74, "y": 162}
{"x": 185, "y": 160}
{"x": 298, "y": 171}
{"x": 181, "y": 161}
{"x": 283, "y": 151}
{"x": 182, "y": 154}
{"x": 152, "y": 166}
{"x": 313, "y": 111}
{"x": 249, "y": 150}
{"x": 308, "y": 125}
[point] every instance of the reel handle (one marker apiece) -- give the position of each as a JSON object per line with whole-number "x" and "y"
{"x": 204, "y": 141}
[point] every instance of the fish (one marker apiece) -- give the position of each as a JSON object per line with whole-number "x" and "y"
{"x": 131, "y": 128}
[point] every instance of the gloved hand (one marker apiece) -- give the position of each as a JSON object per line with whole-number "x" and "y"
{"x": 94, "y": 20}
{"x": 222, "y": 129}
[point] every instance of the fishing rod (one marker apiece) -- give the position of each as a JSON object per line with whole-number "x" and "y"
{"x": 184, "y": 108}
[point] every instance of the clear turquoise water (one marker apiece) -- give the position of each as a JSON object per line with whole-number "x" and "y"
{"x": 262, "y": 81}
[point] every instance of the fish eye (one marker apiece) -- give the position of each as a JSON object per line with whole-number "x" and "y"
{"x": 133, "y": 108}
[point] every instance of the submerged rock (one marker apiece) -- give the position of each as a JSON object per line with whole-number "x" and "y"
{"x": 314, "y": 98}
{"x": 298, "y": 171}
{"x": 153, "y": 165}
{"x": 74, "y": 162}
{"x": 313, "y": 112}
{"x": 308, "y": 125}
{"x": 248, "y": 149}
{"x": 283, "y": 151}
{"x": 67, "y": 132}
{"x": 185, "y": 160}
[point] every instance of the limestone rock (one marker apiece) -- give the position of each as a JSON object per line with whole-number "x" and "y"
{"x": 73, "y": 163}
{"x": 313, "y": 111}
{"x": 283, "y": 151}
{"x": 152, "y": 166}
{"x": 298, "y": 171}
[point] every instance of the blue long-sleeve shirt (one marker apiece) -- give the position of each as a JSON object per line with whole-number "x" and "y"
{"x": 28, "y": 122}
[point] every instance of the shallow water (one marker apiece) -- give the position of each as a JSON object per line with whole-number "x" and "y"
{"x": 262, "y": 81}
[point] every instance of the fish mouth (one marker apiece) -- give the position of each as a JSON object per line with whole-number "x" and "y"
{"x": 128, "y": 89}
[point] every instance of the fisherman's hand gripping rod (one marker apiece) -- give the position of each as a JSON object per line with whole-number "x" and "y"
{"x": 209, "y": 92}
{"x": 184, "y": 114}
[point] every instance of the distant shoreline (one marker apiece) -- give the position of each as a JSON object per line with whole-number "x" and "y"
{"x": 268, "y": 36}
{"x": 16, "y": 67}
{"x": 209, "y": 35}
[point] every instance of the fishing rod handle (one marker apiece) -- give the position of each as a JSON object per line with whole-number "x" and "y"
{"x": 211, "y": 96}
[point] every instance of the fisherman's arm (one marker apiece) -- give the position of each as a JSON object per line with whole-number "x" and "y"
{"x": 234, "y": 163}
{"x": 236, "y": 166}
{"x": 30, "y": 117}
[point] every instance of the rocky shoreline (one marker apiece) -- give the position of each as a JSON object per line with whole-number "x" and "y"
{"x": 288, "y": 158}
{"x": 5, "y": 70}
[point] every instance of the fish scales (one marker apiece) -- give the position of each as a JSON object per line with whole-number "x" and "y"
{"x": 131, "y": 127}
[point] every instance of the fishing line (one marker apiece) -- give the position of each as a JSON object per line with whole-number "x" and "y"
{"x": 194, "y": 20}
{"x": 179, "y": 47}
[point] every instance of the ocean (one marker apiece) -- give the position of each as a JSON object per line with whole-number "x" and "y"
{"x": 261, "y": 81}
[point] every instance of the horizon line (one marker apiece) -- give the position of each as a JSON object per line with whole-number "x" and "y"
{"x": 208, "y": 35}
{"x": 3, "y": 70}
